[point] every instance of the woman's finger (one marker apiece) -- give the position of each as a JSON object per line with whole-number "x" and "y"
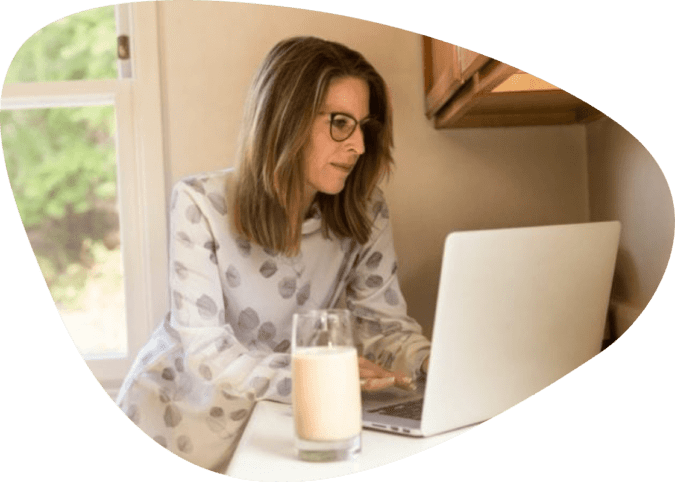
{"x": 377, "y": 369}
{"x": 370, "y": 370}
{"x": 405, "y": 383}
{"x": 374, "y": 384}
{"x": 368, "y": 373}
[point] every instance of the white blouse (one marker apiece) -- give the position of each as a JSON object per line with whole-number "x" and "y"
{"x": 226, "y": 340}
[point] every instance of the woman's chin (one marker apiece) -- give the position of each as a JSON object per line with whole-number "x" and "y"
{"x": 334, "y": 189}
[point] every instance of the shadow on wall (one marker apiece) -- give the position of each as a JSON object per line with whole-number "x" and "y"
{"x": 620, "y": 315}
{"x": 627, "y": 184}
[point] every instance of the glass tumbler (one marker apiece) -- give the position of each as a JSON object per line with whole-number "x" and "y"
{"x": 326, "y": 391}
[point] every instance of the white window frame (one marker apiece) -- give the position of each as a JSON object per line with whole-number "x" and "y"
{"x": 142, "y": 180}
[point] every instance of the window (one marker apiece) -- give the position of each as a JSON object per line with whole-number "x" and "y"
{"x": 81, "y": 134}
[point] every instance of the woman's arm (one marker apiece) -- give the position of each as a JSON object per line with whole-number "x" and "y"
{"x": 387, "y": 335}
{"x": 198, "y": 305}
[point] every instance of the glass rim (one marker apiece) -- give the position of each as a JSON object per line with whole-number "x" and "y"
{"x": 308, "y": 314}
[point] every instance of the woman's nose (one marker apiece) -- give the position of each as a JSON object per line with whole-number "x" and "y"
{"x": 356, "y": 141}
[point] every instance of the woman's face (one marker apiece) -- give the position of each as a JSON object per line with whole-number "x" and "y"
{"x": 329, "y": 162}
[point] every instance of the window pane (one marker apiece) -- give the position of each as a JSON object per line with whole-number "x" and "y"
{"x": 80, "y": 46}
{"x": 62, "y": 167}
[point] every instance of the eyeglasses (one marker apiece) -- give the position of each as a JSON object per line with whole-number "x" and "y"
{"x": 342, "y": 126}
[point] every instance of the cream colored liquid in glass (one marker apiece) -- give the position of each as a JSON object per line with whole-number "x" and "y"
{"x": 326, "y": 393}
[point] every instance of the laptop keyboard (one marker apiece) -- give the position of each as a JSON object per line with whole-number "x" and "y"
{"x": 411, "y": 410}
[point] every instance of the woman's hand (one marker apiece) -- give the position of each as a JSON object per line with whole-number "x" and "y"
{"x": 374, "y": 377}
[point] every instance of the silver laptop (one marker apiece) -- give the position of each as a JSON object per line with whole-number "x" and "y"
{"x": 517, "y": 309}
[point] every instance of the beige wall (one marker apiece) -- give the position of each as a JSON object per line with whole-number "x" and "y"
{"x": 444, "y": 180}
{"x": 626, "y": 183}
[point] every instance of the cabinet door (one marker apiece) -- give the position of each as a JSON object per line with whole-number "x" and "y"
{"x": 464, "y": 89}
{"x": 446, "y": 68}
{"x": 441, "y": 73}
{"x": 469, "y": 62}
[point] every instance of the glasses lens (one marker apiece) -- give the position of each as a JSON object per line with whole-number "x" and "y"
{"x": 341, "y": 127}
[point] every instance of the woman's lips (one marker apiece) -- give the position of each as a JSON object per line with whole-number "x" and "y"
{"x": 343, "y": 167}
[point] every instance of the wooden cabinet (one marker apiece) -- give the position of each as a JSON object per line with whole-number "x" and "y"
{"x": 467, "y": 89}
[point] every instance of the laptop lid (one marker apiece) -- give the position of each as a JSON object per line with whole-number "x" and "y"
{"x": 517, "y": 309}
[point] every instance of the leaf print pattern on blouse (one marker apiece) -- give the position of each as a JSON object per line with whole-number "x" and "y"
{"x": 173, "y": 333}
{"x": 184, "y": 444}
{"x": 196, "y": 185}
{"x": 284, "y": 387}
{"x": 268, "y": 268}
{"x": 193, "y": 214}
{"x": 244, "y": 247}
{"x": 216, "y": 426}
{"x": 133, "y": 414}
{"x": 181, "y": 270}
{"x": 206, "y": 307}
{"x": 205, "y": 372}
{"x": 232, "y": 276}
{"x": 391, "y": 297}
{"x": 282, "y": 347}
{"x": 303, "y": 294}
{"x": 380, "y": 208}
{"x": 184, "y": 239}
{"x": 248, "y": 319}
{"x": 238, "y": 414}
{"x": 385, "y": 212}
{"x": 363, "y": 311}
{"x": 160, "y": 440}
{"x": 267, "y": 331}
{"x": 280, "y": 362}
{"x": 216, "y": 412}
{"x": 257, "y": 346}
{"x": 172, "y": 416}
{"x": 374, "y": 281}
{"x": 374, "y": 260}
{"x": 391, "y": 327}
{"x": 374, "y": 327}
{"x": 212, "y": 245}
{"x": 177, "y": 300}
{"x": 224, "y": 343}
{"x": 287, "y": 287}
{"x": 218, "y": 202}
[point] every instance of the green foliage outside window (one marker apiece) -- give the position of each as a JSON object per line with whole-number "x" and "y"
{"x": 61, "y": 162}
{"x": 80, "y": 46}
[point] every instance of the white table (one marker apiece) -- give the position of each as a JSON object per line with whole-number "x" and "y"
{"x": 266, "y": 449}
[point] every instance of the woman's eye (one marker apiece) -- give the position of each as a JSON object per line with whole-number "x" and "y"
{"x": 341, "y": 123}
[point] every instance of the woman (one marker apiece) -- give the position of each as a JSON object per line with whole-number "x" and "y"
{"x": 299, "y": 223}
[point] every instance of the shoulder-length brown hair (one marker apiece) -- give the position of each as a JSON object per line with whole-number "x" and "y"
{"x": 287, "y": 93}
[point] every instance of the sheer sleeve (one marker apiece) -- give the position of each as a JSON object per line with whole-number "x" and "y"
{"x": 386, "y": 334}
{"x": 193, "y": 386}
{"x": 212, "y": 351}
